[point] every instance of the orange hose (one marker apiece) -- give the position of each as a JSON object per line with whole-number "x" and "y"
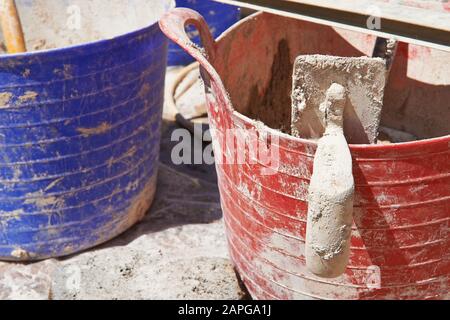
{"x": 11, "y": 27}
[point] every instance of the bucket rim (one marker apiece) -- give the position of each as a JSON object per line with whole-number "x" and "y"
{"x": 353, "y": 147}
{"x": 93, "y": 45}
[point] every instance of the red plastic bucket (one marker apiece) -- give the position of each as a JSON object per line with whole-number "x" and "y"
{"x": 400, "y": 243}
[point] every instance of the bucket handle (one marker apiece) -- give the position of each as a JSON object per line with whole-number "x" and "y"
{"x": 174, "y": 24}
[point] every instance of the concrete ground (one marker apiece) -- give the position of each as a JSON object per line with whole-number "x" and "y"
{"x": 177, "y": 252}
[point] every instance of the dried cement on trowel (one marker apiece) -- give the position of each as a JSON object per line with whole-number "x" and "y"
{"x": 364, "y": 78}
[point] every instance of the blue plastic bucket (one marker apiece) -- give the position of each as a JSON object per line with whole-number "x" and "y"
{"x": 79, "y": 136}
{"x": 219, "y": 17}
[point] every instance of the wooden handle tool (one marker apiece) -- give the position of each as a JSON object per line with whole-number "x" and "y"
{"x": 11, "y": 27}
{"x": 331, "y": 193}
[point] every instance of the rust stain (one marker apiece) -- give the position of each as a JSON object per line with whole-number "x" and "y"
{"x": 102, "y": 128}
{"x": 5, "y": 97}
{"x": 145, "y": 90}
{"x": 28, "y": 96}
{"x": 43, "y": 202}
{"x": 16, "y": 214}
{"x": 6, "y": 217}
{"x": 142, "y": 202}
{"x": 140, "y": 205}
{"x": 130, "y": 153}
{"x": 54, "y": 231}
{"x": 20, "y": 254}
{"x": 111, "y": 162}
{"x": 17, "y": 173}
{"x": 67, "y": 70}
{"x": 54, "y": 183}
{"x": 40, "y": 200}
{"x": 136, "y": 212}
{"x": 68, "y": 249}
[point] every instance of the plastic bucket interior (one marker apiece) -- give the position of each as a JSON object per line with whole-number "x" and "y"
{"x": 79, "y": 124}
{"x": 400, "y": 243}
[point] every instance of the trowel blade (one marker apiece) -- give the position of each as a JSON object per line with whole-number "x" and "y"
{"x": 363, "y": 77}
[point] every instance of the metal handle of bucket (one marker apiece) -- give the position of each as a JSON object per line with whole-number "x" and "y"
{"x": 174, "y": 24}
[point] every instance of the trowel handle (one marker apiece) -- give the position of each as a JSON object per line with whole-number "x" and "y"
{"x": 331, "y": 192}
{"x": 174, "y": 24}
